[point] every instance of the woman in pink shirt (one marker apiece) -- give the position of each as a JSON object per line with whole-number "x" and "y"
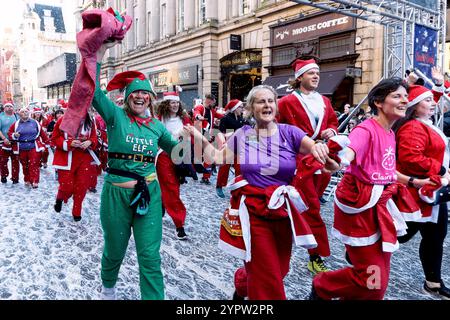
{"x": 367, "y": 201}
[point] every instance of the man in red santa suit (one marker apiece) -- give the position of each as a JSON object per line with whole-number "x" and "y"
{"x": 72, "y": 159}
{"x": 313, "y": 113}
{"x": 204, "y": 116}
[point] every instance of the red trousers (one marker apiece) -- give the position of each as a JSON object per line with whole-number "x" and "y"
{"x": 76, "y": 181}
{"x": 170, "y": 189}
{"x": 366, "y": 280}
{"x": 222, "y": 175}
{"x": 44, "y": 158}
{"x": 15, "y": 167}
{"x": 312, "y": 188}
{"x": 271, "y": 245}
{"x": 30, "y": 161}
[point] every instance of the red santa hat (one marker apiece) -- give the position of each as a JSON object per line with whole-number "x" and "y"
{"x": 171, "y": 96}
{"x": 417, "y": 93}
{"x": 233, "y": 105}
{"x": 430, "y": 193}
{"x": 301, "y": 66}
{"x": 37, "y": 110}
{"x": 8, "y": 103}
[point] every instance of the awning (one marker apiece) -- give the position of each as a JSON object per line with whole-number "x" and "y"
{"x": 279, "y": 83}
{"x": 329, "y": 81}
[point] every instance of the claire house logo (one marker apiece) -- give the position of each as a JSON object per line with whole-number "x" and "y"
{"x": 282, "y": 35}
{"x": 389, "y": 159}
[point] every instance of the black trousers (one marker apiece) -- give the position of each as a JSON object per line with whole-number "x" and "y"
{"x": 431, "y": 246}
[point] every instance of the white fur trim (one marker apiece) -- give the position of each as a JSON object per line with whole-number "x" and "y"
{"x": 236, "y": 106}
{"x": 245, "y": 226}
{"x": 175, "y": 98}
{"x": 307, "y": 241}
{"x": 69, "y": 163}
{"x": 227, "y": 248}
{"x": 377, "y": 190}
{"x": 65, "y": 146}
{"x": 233, "y": 185}
{"x": 356, "y": 241}
{"x": 420, "y": 98}
{"x": 308, "y": 67}
{"x": 341, "y": 140}
{"x": 389, "y": 247}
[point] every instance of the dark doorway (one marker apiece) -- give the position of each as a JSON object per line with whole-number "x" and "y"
{"x": 241, "y": 84}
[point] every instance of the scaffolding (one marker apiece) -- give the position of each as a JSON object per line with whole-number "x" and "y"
{"x": 399, "y": 18}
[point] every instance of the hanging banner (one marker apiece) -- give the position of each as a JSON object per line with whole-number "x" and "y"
{"x": 425, "y": 49}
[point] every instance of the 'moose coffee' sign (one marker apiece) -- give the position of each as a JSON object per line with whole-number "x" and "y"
{"x": 311, "y": 28}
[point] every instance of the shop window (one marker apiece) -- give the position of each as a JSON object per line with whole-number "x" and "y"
{"x": 180, "y": 15}
{"x": 283, "y": 56}
{"x": 336, "y": 47}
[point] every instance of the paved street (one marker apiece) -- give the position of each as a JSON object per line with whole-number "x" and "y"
{"x": 45, "y": 255}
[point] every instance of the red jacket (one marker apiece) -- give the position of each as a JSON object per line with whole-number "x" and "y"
{"x": 420, "y": 153}
{"x": 200, "y": 110}
{"x": 291, "y": 111}
{"x": 64, "y": 152}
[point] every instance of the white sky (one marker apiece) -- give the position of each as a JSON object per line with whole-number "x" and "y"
{"x": 11, "y": 12}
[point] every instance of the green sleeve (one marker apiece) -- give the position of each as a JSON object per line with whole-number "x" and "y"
{"x": 105, "y": 107}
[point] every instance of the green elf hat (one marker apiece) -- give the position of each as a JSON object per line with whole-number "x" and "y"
{"x": 131, "y": 81}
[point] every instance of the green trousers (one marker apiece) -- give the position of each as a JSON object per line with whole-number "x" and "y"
{"x": 117, "y": 220}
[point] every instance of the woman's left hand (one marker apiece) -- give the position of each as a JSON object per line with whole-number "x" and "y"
{"x": 86, "y": 144}
{"x": 320, "y": 152}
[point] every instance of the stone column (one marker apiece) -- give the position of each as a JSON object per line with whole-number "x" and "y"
{"x": 130, "y": 34}
{"x": 171, "y": 17}
{"x": 211, "y": 10}
{"x": 155, "y": 32}
{"x": 235, "y": 8}
{"x": 189, "y": 14}
{"x": 141, "y": 13}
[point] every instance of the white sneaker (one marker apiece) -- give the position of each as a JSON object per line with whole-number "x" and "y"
{"x": 109, "y": 293}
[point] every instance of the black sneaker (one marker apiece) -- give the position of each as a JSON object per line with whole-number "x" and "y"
{"x": 93, "y": 190}
{"x": 58, "y": 205}
{"x": 4, "y": 180}
{"x": 15, "y": 181}
{"x": 76, "y": 219}
{"x": 441, "y": 292}
{"x": 181, "y": 234}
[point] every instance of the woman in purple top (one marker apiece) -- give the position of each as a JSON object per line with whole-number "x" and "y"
{"x": 267, "y": 156}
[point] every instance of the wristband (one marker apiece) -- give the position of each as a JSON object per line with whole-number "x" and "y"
{"x": 410, "y": 182}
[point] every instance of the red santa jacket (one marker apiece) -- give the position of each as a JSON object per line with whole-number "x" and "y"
{"x": 273, "y": 202}
{"x": 200, "y": 110}
{"x": 64, "y": 152}
{"x": 291, "y": 111}
{"x": 420, "y": 153}
{"x": 41, "y": 140}
{"x": 365, "y": 213}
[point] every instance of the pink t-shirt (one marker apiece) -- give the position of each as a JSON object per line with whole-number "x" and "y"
{"x": 374, "y": 147}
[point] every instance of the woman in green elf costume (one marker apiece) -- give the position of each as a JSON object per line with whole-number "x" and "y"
{"x": 131, "y": 196}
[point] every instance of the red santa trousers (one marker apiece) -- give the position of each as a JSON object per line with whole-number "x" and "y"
{"x": 4, "y": 157}
{"x": 312, "y": 188}
{"x": 366, "y": 280}
{"x": 271, "y": 243}
{"x": 30, "y": 161}
{"x": 76, "y": 181}
{"x": 44, "y": 158}
{"x": 224, "y": 171}
{"x": 170, "y": 189}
